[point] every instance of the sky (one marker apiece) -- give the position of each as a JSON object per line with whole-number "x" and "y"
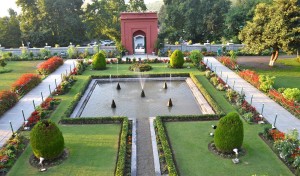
{"x": 6, "y": 4}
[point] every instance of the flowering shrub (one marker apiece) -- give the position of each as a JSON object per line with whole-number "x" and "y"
{"x": 292, "y": 94}
{"x": 9, "y": 152}
{"x": 228, "y": 62}
{"x": 7, "y": 100}
{"x": 289, "y": 104}
{"x": 26, "y": 83}
{"x": 50, "y": 65}
{"x": 251, "y": 76}
{"x": 266, "y": 82}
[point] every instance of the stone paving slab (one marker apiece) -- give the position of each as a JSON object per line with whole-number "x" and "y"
{"x": 285, "y": 120}
{"x": 26, "y": 103}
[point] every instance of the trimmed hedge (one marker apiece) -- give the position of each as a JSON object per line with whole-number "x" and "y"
{"x": 92, "y": 120}
{"x": 176, "y": 59}
{"x": 207, "y": 96}
{"x": 229, "y": 133}
{"x": 191, "y": 117}
{"x": 26, "y": 83}
{"x": 7, "y": 100}
{"x": 50, "y": 65}
{"x": 122, "y": 149}
{"x": 76, "y": 98}
{"x": 46, "y": 140}
{"x": 166, "y": 147}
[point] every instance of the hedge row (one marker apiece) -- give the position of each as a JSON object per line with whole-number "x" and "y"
{"x": 135, "y": 76}
{"x": 26, "y": 83}
{"x": 50, "y": 65}
{"x": 207, "y": 96}
{"x": 166, "y": 147}
{"x": 122, "y": 149}
{"x": 202, "y": 117}
{"x": 7, "y": 100}
{"x": 76, "y": 98}
{"x": 92, "y": 120}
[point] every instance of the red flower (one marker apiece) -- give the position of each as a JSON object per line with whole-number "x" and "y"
{"x": 50, "y": 65}
{"x": 25, "y": 83}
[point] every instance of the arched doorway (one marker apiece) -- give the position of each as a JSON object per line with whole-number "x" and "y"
{"x": 139, "y": 42}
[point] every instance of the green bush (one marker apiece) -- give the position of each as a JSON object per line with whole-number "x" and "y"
{"x": 196, "y": 57}
{"x": 99, "y": 62}
{"x": 176, "y": 59}
{"x": 292, "y": 94}
{"x": 46, "y": 140}
{"x": 266, "y": 82}
{"x": 140, "y": 67}
{"x": 229, "y": 133}
{"x": 72, "y": 52}
{"x": 214, "y": 81}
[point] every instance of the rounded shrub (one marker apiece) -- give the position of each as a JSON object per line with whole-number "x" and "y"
{"x": 196, "y": 57}
{"x": 176, "y": 59}
{"x": 99, "y": 62}
{"x": 46, "y": 140}
{"x": 140, "y": 67}
{"x": 229, "y": 133}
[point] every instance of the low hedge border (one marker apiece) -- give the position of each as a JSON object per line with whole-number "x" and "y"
{"x": 206, "y": 95}
{"x": 76, "y": 98}
{"x": 164, "y": 139}
{"x": 121, "y": 157}
{"x": 135, "y": 76}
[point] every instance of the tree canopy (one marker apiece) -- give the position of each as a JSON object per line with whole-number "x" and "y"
{"x": 196, "y": 20}
{"x": 10, "y": 30}
{"x": 275, "y": 26}
{"x": 51, "y": 21}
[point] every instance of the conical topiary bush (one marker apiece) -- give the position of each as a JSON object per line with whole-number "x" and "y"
{"x": 229, "y": 133}
{"x": 46, "y": 140}
{"x": 176, "y": 59}
{"x": 99, "y": 61}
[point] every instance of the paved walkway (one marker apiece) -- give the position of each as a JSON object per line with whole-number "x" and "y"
{"x": 26, "y": 103}
{"x": 285, "y": 120}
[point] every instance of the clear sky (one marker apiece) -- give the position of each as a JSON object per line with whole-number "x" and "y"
{"x": 6, "y": 4}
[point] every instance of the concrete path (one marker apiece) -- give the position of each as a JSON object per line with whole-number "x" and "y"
{"x": 285, "y": 120}
{"x": 26, "y": 103}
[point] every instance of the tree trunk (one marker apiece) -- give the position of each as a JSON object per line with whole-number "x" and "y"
{"x": 274, "y": 57}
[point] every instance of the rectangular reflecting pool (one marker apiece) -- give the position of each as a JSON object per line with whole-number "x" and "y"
{"x": 98, "y": 99}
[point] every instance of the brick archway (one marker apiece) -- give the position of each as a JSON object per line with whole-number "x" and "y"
{"x": 139, "y": 24}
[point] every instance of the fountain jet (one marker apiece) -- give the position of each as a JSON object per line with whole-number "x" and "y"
{"x": 113, "y": 104}
{"x": 118, "y": 87}
{"x": 142, "y": 93}
{"x": 165, "y": 86}
{"x": 170, "y": 104}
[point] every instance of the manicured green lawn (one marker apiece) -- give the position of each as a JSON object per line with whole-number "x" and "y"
{"x": 190, "y": 140}
{"x": 18, "y": 68}
{"x": 93, "y": 151}
{"x": 287, "y": 75}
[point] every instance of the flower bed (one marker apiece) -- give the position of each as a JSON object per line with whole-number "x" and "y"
{"x": 42, "y": 112}
{"x": 50, "y": 65}
{"x": 10, "y": 152}
{"x": 7, "y": 100}
{"x": 26, "y": 83}
{"x": 286, "y": 146}
{"x": 228, "y": 62}
{"x": 251, "y": 76}
{"x": 292, "y": 106}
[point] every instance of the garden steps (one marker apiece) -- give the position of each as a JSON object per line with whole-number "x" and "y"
{"x": 285, "y": 120}
{"x": 26, "y": 102}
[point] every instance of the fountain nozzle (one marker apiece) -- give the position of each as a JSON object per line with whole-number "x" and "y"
{"x": 142, "y": 93}
{"x": 118, "y": 87}
{"x": 165, "y": 86}
{"x": 113, "y": 104}
{"x": 170, "y": 103}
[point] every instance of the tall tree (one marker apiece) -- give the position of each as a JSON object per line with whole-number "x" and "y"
{"x": 10, "y": 35}
{"x": 102, "y": 17}
{"x": 51, "y": 21}
{"x": 197, "y": 20}
{"x": 137, "y": 6}
{"x": 238, "y": 14}
{"x": 275, "y": 26}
